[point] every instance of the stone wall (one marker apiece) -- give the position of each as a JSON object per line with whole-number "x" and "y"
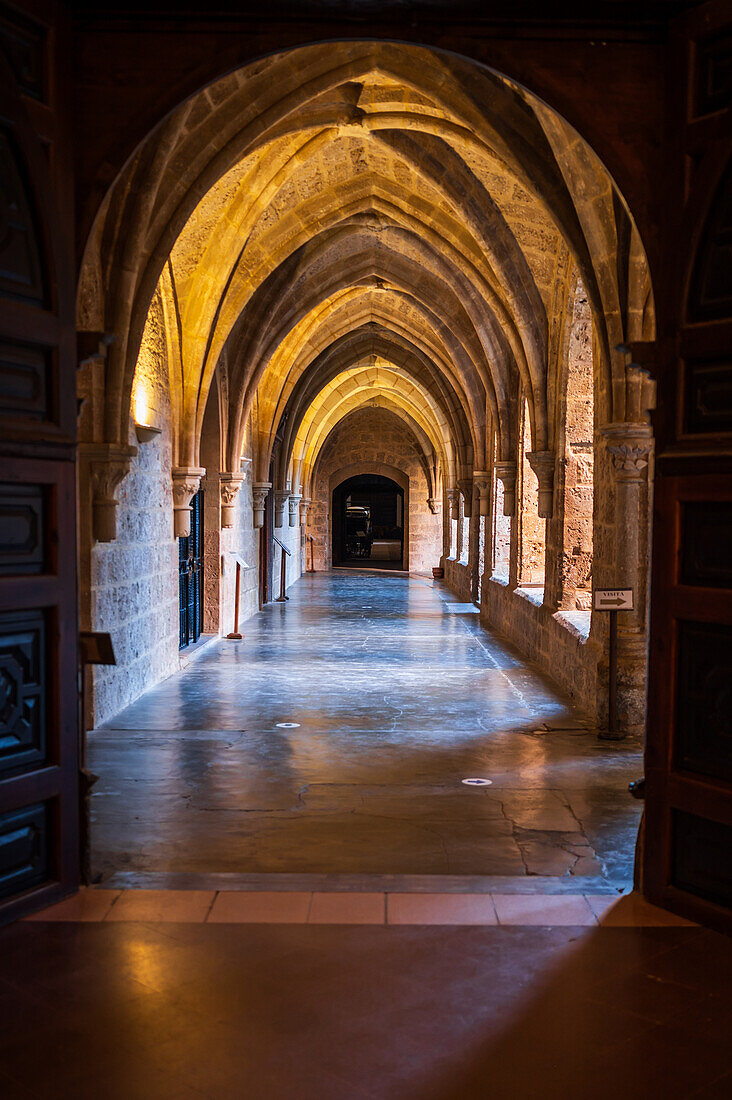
{"x": 134, "y": 591}
{"x": 458, "y": 577}
{"x": 374, "y": 438}
{"x": 554, "y": 641}
{"x": 134, "y": 580}
{"x": 241, "y": 539}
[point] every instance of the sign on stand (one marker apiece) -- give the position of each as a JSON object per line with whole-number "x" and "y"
{"x": 613, "y": 600}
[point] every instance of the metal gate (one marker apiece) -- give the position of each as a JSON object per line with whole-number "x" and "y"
{"x": 190, "y": 557}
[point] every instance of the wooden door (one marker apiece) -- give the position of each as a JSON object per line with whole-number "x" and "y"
{"x": 688, "y": 851}
{"x": 190, "y": 556}
{"x": 39, "y": 859}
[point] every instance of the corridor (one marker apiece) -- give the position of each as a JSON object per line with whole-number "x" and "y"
{"x": 335, "y": 738}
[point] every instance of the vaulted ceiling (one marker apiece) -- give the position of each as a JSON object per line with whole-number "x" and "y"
{"x": 353, "y": 223}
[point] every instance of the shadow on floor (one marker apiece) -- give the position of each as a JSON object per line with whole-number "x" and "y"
{"x": 324, "y": 1012}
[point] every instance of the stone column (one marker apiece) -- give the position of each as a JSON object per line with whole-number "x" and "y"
{"x": 186, "y": 483}
{"x": 305, "y": 503}
{"x": 542, "y": 463}
{"x": 506, "y": 474}
{"x": 453, "y": 497}
{"x": 280, "y": 500}
{"x": 259, "y": 495}
{"x": 109, "y": 463}
{"x": 629, "y": 446}
{"x": 229, "y": 486}
{"x": 466, "y": 488}
{"x": 482, "y": 482}
{"x": 294, "y": 506}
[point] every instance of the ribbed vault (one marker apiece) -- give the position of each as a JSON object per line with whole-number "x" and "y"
{"x": 354, "y": 223}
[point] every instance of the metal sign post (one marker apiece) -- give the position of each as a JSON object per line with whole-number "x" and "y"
{"x": 613, "y": 600}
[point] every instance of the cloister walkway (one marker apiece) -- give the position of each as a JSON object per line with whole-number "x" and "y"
{"x": 334, "y": 740}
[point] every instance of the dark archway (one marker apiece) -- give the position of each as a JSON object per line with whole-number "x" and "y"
{"x": 368, "y": 522}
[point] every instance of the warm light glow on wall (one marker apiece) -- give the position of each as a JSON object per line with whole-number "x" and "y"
{"x": 140, "y": 403}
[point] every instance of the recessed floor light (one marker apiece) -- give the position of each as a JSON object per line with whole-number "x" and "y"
{"x": 287, "y": 725}
{"x": 477, "y": 782}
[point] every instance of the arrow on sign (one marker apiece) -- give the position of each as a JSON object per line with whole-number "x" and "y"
{"x": 613, "y": 599}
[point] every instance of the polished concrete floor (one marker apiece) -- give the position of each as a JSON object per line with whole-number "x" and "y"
{"x": 333, "y": 740}
{"x": 144, "y": 1010}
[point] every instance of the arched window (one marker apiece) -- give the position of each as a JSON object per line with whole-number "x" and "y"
{"x": 464, "y": 533}
{"x": 578, "y": 458}
{"x": 482, "y": 532}
{"x": 501, "y": 533}
{"x": 532, "y": 543}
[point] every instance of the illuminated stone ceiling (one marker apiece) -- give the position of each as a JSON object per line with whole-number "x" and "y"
{"x": 357, "y": 223}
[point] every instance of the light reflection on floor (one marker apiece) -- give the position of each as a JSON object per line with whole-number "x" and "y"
{"x": 334, "y": 739}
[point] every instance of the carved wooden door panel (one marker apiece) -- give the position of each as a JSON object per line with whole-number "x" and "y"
{"x": 38, "y": 619}
{"x": 688, "y": 852}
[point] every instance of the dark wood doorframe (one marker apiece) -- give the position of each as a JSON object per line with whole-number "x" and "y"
{"x": 39, "y": 723}
{"x": 687, "y": 862}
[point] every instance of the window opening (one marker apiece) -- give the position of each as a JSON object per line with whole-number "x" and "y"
{"x": 579, "y": 460}
{"x": 501, "y": 534}
{"x": 533, "y": 528}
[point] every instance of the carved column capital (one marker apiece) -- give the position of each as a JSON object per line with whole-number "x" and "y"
{"x": 280, "y": 500}
{"x": 435, "y": 505}
{"x": 482, "y": 482}
{"x": 109, "y": 463}
{"x": 186, "y": 483}
{"x": 229, "y": 486}
{"x": 629, "y": 447}
{"x": 506, "y": 474}
{"x": 304, "y": 509}
{"x": 259, "y": 495}
{"x": 294, "y": 505}
{"x": 466, "y": 488}
{"x": 542, "y": 463}
{"x": 453, "y": 499}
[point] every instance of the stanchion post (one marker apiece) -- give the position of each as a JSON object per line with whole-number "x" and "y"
{"x": 612, "y": 711}
{"x": 235, "y": 635}
{"x": 612, "y": 600}
{"x": 283, "y": 578}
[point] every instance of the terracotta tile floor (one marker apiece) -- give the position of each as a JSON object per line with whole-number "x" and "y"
{"x": 168, "y": 1010}
{"x": 353, "y": 907}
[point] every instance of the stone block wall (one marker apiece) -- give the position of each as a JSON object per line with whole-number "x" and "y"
{"x": 134, "y": 582}
{"x": 376, "y": 440}
{"x": 242, "y": 539}
{"x": 550, "y": 639}
{"x": 458, "y": 577}
{"x": 134, "y": 590}
{"x": 292, "y": 538}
